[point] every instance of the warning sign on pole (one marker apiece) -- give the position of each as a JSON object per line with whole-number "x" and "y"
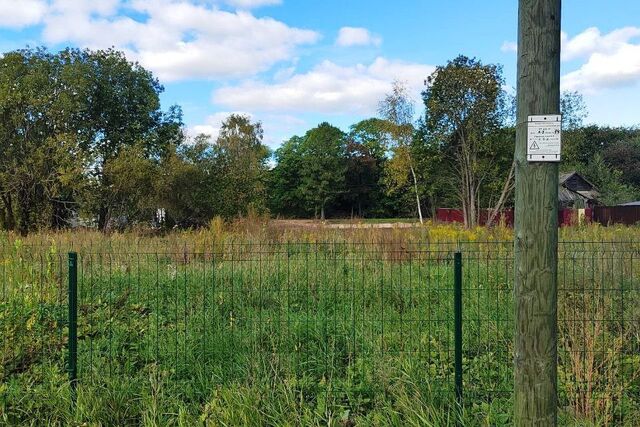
{"x": 544, "y": 138}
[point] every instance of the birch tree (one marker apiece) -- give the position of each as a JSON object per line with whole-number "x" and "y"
{"x": 398, "y": 111}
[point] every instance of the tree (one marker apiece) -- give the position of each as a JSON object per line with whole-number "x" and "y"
{"x": 323, "y": 166}
{"x": 123, "y": 110}
{"x": 132, "y": 195}
{"x": 573, "y": 110}
{"x": 609, "y": 182}
{"x": 373, "y": 134}
{"x": 285, "y": 196}
{"x": 397, "y": 109}
{"x": 66, "y": 116}
{"x": 624, "y": 156}
{"x": 362, "y": 177}
{"x": 367, "y": 159}
{"x": 40, "y": 161}
{"x": 189, "y": 182}
{"x": 243, "y": 164}
{"x": 465, "y": 104}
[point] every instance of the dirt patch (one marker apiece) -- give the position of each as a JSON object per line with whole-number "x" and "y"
{"x": 320, "y": 225}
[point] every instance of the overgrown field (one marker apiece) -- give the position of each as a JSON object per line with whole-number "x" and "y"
{"x": 252, "y": 324}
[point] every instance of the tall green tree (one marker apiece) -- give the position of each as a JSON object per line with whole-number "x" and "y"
{"x": 40, "y": 160}
{"x": 243, "y": 163}
{"x": 367, "y": 156}
{"x": 123, "y": 110}
{"x": 362, "y": 179}
{"x": 465, "y": 103}
{"x": 323, "y": 167}
{"x": 285, "y": 195}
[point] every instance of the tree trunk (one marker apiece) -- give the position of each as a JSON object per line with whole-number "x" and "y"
{"x": 24, "y": 212}
{"x": 506, "y": 190}
{"x": 9, "y": 218}
{"x": 322, "y": 212}
{"x": 103, "y": 218}
{"x": 415, "y": 187}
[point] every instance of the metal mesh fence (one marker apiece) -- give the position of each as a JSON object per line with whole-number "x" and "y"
{"x": 347, "y": 319}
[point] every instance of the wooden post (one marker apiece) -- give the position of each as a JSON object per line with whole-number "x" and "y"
{"x": 536, "y": 219}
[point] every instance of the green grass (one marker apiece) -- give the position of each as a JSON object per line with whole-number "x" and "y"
{"x": 304, "y": 334}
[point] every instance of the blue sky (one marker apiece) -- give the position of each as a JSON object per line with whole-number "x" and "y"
{"x": 294, "y": 63}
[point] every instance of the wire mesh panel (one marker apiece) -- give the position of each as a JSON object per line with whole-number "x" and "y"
{"x": 344, "y": 317}
{"x": 335, "y": 324}
{"x": 33, "y": 303}
{"x": 599, "y": 331}
{"x": 488, "y": 328}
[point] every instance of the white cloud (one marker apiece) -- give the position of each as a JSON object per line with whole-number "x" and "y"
{"x": 213, "y": 123}
{"x": 277, "y": 127}
{"x": 328, "y": 88}
{"x": 592, "y": 41}
{"x": 356, "y": 36}
{"x": 250, "y": 4}
{"x": 176, "y": 39}
{"x": 613, "y": 60}
{"x": 21, "y": 13}
{"x": 508, "y": 46}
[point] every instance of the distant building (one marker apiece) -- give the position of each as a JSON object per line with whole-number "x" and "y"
{"x": 576, "y": 192}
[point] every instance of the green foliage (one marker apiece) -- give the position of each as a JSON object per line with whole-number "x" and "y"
{"x": 187, "y": 184}
{"x": 285, "y": 197}
{"x": 303, "y": 333}
{"x": 323, "y": 166}
{"x": 608, "y": 181}
{"x": 242, "y": 162}
{"x": 66, "y": 116}
{"x": 310, "y": 173}
{"x": 466, "y": 109}
{"x": 38, "y": 138}
{"x": 624, "y": 155}
{"x": 83, "y": 140}
{"x": 373, "y": 135}
{"x": 573, "y": 110}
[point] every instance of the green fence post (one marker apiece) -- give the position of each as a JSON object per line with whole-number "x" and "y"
{"x": 73, "y": 324}
{"x": 457, "y": 308}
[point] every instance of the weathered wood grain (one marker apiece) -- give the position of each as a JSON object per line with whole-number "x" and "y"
{"x": 536, "y": 219}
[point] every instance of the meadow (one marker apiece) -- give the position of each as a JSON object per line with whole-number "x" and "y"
{"x": 252, "y": 323}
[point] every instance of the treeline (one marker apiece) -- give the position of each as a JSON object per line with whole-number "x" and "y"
{"x": 84, "y": 141}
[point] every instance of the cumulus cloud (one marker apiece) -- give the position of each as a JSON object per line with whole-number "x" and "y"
{"x": 176, "y": 39}
{"x": 592, "y": 41}
{"x": 20, "y": 14}
{"x": 250, "y": 4}
{"x": 328, "y": 88}
{"x": 277, "y": 127}
{"x": 213, "y": 123}
{"x": 356, "y": 36}
{"x": 613, "y": 59}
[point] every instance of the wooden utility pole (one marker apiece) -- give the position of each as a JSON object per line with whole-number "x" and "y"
{"x": 536, "y": 219}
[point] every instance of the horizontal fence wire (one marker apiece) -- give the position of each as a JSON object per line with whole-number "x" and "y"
{"x": 347, "y": 319}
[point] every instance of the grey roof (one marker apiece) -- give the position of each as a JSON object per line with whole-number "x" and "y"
{"x": 631, "y": 204}
{"x": 563, "y": 177}
{"x": 566, "y": 194}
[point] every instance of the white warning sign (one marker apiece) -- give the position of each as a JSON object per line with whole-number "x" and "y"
{"x": 544, "y": 138}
